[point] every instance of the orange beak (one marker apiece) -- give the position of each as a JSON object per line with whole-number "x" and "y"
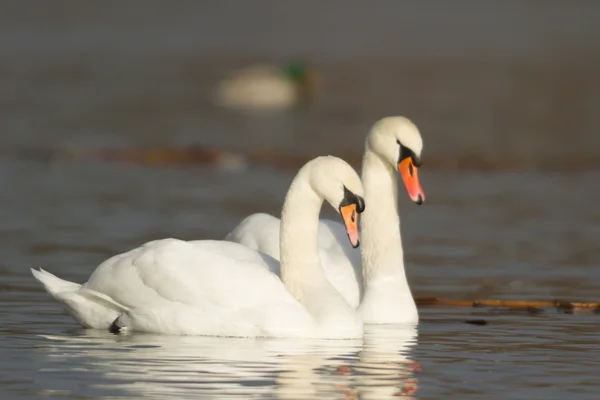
{"x": 410, "y": 176}
{"x": 350, "y": 217}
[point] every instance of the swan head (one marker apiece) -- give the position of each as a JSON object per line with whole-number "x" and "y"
{"x": 398, "y": 141}
{"x": 338, "y": 183}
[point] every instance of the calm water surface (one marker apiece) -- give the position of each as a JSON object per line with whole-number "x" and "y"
{"x": 475, "y": 240}
{"x": 103, "y": 75}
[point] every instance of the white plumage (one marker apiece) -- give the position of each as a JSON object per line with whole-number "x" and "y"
{"x": 374, "y": 281}
{"x": 222, "y": 288}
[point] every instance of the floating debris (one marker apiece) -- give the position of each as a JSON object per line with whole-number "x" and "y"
{"x": 476, "y": 322}
{"x": 532, "y": 307}
{"x": 206, "y": 155}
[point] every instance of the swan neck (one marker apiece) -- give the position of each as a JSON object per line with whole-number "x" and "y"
{"x": 299, "y": 255}
{"x": 382, "y": 252}
{"x": 300, "y": 265}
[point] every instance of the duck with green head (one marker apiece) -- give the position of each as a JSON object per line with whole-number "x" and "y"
{"x": 268, "y": 87}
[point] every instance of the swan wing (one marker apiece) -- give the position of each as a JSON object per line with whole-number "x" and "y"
{"x": 199, "y": 287}
{"x": 259, "y": 232}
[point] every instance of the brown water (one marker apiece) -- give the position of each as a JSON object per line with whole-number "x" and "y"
{"x": 511, "y": 86}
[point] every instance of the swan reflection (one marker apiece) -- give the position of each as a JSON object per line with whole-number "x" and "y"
{"x": 377, "y": 367}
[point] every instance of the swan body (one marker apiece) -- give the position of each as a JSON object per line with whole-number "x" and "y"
{"x": 342, "y": 264}
{"x": 222, "y": 288}
{"x": 373, "y": 280}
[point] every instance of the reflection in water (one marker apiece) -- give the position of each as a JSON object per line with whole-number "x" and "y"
{"x": 386, "y": 363}
{"x": 153, "y": 366}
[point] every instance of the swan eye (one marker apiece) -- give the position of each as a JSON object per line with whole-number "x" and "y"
{"x": 405, "y": 153}
{"x": 351, "y": 198}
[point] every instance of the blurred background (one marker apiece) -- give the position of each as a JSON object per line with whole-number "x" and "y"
{"x": 123, "y": 122}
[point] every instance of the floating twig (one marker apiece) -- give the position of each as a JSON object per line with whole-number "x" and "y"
{"x": 207, "y": 155}
{"x": 516, "y": 305}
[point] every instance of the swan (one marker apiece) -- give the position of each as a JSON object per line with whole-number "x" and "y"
{"x": 372, "y": 280}
{"x": 220, "y": 288}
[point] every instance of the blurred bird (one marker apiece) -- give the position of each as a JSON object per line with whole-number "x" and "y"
{"x": 268, "y": 87}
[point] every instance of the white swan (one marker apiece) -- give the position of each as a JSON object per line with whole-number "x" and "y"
{"x": 222, "y": 288}
{"x": 393, "y": 143}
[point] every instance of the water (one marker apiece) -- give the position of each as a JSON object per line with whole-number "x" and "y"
{"x": 510, "y": 173}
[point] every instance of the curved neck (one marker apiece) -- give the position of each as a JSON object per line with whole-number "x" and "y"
{"x": 386, "y": 297}
{"x": 301, "y": 270}
{"x": 382, "y": 254}
{"x": 298, "y": 245}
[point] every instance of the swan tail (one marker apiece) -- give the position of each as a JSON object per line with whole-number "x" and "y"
{"x": 52, "y": 283}
{"x": 90, "y": 309}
